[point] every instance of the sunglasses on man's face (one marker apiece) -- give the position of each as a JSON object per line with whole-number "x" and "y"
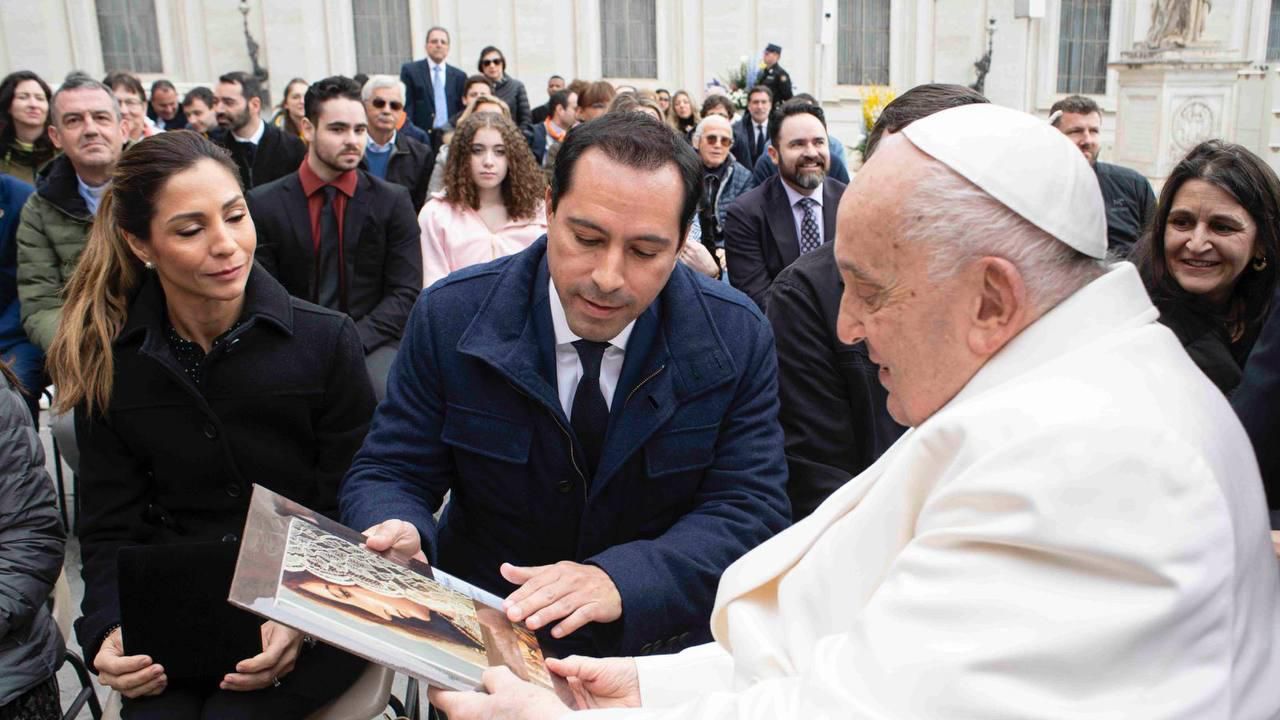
{"x": 490, "y": 61}
{"x": 379, "y": 103}
{"x": 718, "y": 140}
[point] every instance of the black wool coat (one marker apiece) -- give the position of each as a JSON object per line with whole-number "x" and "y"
{"x": 278, "y": 153}
{"x": 285, "y": 403}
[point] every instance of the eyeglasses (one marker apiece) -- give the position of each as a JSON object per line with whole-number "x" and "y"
{"x": 718, "y": 140}
{"x": 490, "y": 61}
{"x": 130, "y": 102}
{"x": 379, "y": 103}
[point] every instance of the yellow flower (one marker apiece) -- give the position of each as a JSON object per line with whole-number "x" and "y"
{"x": 874, "y": 99}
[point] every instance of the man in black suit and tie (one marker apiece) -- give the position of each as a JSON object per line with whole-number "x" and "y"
{"x": 790, "y": 214}
{"x": 261, "y": 151}
{"x": 433, "y": 89}
{"x": 339, "y": 237}
{"x": 751, "y": 131}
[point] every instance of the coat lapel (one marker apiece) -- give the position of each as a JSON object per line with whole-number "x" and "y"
{"x": 830, "y": 204}
{"x": 295, "y": 202}
{"x": 353, "y": 221}
{"x": 782, "y": 224}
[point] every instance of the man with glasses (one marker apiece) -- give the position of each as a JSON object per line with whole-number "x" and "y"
{"x": 433, "y": 89}
{"x": 390, "y": 155}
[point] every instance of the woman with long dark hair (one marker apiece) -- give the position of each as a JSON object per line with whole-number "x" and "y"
{"x": 492, "y": 204}
{"x": 24, "y": 125}
{"x": 682, "y": 115}
{"x": 192, "y": 374}
{"x": 290, "y": 112}
{"x": 1208, "y": 257}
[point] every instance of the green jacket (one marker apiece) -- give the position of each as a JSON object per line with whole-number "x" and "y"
{"x": 51, "y": 235}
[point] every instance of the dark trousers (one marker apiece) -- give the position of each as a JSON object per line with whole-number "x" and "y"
{"x": 320, "y": 675}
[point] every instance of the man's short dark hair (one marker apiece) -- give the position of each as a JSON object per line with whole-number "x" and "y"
{"x": 201, "y": 93}
{"x": 760, "y": 89}
{"x": 1076, "y": 105}
{"x": 920, "y": 101}
{"x": 249, "y": 86}
{"x": 77, "y": 80}
{"x": 637, "y": 141}
{"x": 788, "y": 109}
{"x": 436, "y": 28}
{"x": 162, "y": 85}
{"x": 477, "y": 80}
{"x": 559, "y": 99}
{"x": 330, "y": 88}
{"x": 128, "y": 81}
{"x": 720, "y": 100}
{"x": 556, "y": 77}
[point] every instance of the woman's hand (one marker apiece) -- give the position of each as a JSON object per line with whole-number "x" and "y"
{"x": 699, "y": 259}
{"x": 279, "y": 653}
{"x": 599, "y": 682}
{"x": 130, "y": 675}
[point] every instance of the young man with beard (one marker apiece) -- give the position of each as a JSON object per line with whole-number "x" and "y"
{"x": 261, "y": 151}
{"x": 338, "y": 236}
{"x": 1126, "y": 193}
{"x": 791, "y": 213}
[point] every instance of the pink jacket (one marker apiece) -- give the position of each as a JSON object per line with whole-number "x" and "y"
{"x": 455, "y": 237}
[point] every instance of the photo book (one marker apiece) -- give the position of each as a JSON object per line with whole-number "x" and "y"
{"x": 303, "y": 570}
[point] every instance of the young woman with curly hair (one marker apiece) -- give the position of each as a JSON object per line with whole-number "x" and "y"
{"x": 492, "y": 204}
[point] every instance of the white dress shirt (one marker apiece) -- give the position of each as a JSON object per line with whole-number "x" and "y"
{"x": 797, "y": 212}
{"x": 569, "y": 367}
{"x": 257, "y": 136}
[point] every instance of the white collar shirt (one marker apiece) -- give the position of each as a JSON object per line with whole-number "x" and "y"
{"x": 257, "y": 136}
{"x": 569, "y": 367}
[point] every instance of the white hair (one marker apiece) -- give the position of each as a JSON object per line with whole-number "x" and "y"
{"x": 377, "y": 82}
{"x": 960, "y": 223}
{"x": 697, "y": 131}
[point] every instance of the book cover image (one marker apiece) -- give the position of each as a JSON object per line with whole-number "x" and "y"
{"x": 306, "y": 571}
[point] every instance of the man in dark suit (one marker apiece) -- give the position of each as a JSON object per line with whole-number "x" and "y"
{"x": 751, "y": 131}
{"x": 773, "y": 76}
{"x": 164, "y": 109}
{"x": 391, "y": 154}
{"x": 339, "y": 237}
{"x": 604, "y": 416}
{"x": 433, "y": 89}
{"x": 550, "y": 132}
{"x": 834, "y": 412}
{"x": 791, "y": 213}
{"x": 261, "y": 151}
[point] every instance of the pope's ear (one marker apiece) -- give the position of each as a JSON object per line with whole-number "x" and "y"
{"x": 1001, "y": 308}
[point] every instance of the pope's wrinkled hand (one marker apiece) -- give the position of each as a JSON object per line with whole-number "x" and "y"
{"x": 599, "y": 682}
{"x": 508, "y": 697}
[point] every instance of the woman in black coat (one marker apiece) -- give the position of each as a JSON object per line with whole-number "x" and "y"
{"x": 192, "y": 375}
{"x": 31, "y": 547}
{"x": 1208, "y": 257}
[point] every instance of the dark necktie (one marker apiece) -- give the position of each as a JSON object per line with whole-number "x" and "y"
{"x": 809, "y": 238}
{"x": 590, "y": 418}
{"x": 328, "y": 274}
{"x": 759, "y": 141}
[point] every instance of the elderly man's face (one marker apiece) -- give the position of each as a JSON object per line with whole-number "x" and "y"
{"x": 914, "y": 328}
{"x": 716, "y": 139}
{"x": 383, "y": 108}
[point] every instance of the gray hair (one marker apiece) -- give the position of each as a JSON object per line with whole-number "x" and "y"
{"x": 377, "y": 82}
{"x": 960, "y": 223}
{"x": 697, "y": 131}
{"x": 80, "y": 81}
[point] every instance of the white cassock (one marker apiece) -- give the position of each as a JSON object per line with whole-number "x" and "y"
{"x": 1080, "y": 533}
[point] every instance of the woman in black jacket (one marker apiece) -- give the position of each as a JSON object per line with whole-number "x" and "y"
{"x": 1208, "y": 257}
{"x": 192, "y": 375}
{"x": 31, "y": 547}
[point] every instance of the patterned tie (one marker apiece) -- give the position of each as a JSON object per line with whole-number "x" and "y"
{"x": 809, "y": 237}
{"x": 438, "y": 99}
{"x": 590, "y": 418}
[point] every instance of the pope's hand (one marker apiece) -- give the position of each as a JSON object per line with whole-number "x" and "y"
{"x": 599, "y": 682}
{"x": 579, "y": 593}
{"x": 508, "y": 697}
{"x": 395, "y": 535}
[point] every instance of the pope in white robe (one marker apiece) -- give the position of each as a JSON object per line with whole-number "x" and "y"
{"x": 1074, "y": 527}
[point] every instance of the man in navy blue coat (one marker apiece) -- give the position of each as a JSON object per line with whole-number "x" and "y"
{"x": 433, "y": 88}
{"x": 606, "y": 419}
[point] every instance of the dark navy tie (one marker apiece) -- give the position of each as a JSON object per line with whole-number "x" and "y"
{"x": 328, "y": 272}
{"x": 590, "y": 418}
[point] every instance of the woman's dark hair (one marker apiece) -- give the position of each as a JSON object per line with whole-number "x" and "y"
{"x": 1253, "y": 184}
{"x": 486, "y": 51}
{"x": 128, "y": 81}
{"x": 287, "y": 123}
{"x": 633, "y": 140}
{"x": 9, "y": 88}
{"x": 7, "y": 373}
{"x": 104, "y": 281}
{"x": 721, "y": 100}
